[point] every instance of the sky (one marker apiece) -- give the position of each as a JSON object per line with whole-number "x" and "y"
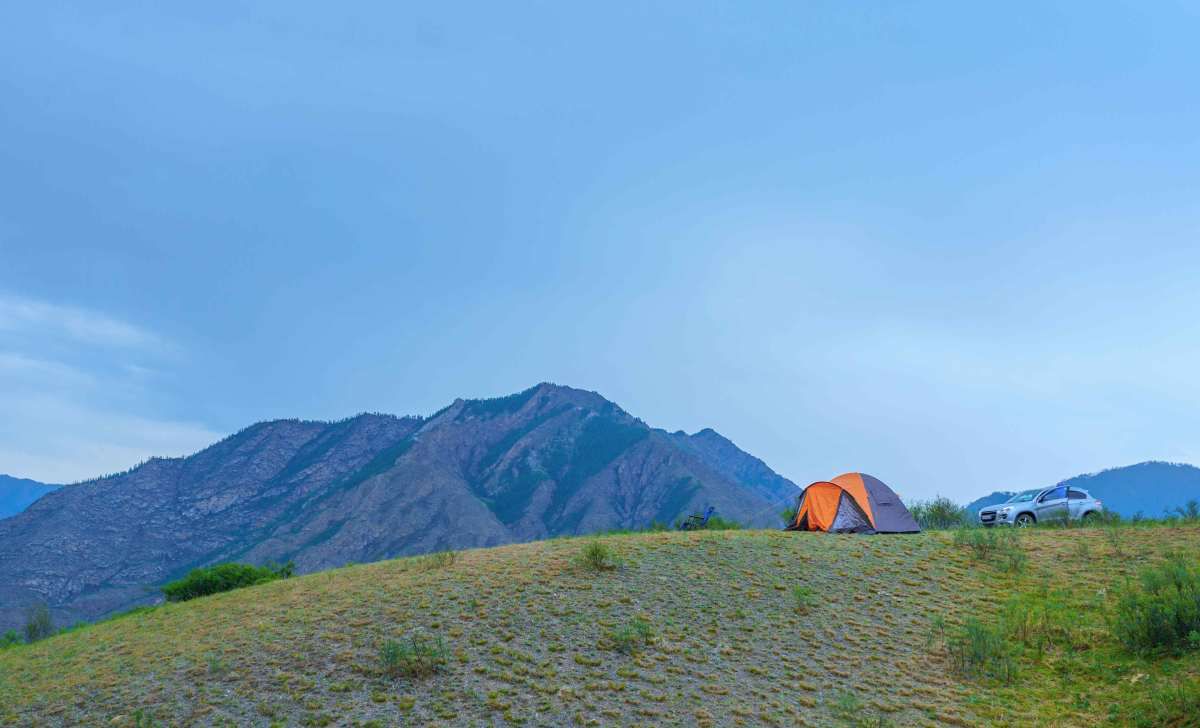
{"x": 953, "y": 245}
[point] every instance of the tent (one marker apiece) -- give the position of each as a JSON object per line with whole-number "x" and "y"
{"x": 852, "y": 503}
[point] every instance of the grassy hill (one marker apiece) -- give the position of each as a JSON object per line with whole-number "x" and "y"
{"x": 700, "y": 628}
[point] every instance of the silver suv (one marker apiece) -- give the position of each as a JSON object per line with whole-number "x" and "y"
{"x": 1059, "y": 503}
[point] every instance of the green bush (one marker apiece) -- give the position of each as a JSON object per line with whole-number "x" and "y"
{"x": 716, "y": 523}
{"x": 788, "y": 515}
{"x": 939, "y": 514}
{"x": 9, "y": 638}
{"x": 597, "y": 556}
{"x": 221, "y": 578}
{"x": 631, "y": 636}
{"x": 38, "y": 623}
{"x": 1161, "y": 613}
{"x": 413, "y": 656}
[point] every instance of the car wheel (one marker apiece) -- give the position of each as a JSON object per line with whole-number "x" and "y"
{"x": 1089, "y": 517}
{"x": 1025, "y": 520}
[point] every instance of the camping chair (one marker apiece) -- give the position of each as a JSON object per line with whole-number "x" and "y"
{"x": 696, "y": 521}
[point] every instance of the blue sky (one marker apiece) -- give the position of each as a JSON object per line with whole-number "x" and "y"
{"x": 953, "y": 246}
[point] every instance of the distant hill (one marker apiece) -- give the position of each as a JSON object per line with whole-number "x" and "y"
{"x": 1150, "y": 488}
{"x": 17, "y": 493}
{"x": 545, "y": 462}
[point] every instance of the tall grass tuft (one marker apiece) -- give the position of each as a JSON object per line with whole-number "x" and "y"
{"x": 1001, "y": 546}
{"x": 632, "y": 636}
{"x": 804, "y": 597}
{"x": 597, "y": 556}
{"x": 437, "y": 560}
{"x": 38, "y": 623}
{"x": 414, "y": 656}
{"x": 1160, "y": 613}
{"x": 977, "y": 650}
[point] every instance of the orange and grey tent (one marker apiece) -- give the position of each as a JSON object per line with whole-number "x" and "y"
{"x": 852, "y": 503}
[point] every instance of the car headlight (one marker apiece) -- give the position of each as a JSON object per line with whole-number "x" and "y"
{"x": 1006, "y": 509}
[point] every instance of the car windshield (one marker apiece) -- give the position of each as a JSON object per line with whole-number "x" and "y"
{"x": 1023, "y": 497}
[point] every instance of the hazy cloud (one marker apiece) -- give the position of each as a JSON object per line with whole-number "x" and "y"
{"x": 91, "y": 327}
{"x": 79, "y": 390}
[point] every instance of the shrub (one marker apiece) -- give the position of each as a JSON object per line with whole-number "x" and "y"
{"x": 788, "y": 515}
{"x": 1045, "y": 619}
{"x": 1162, "y": 612}
{"x": 413, "y": 656}
{"x": 981, "y": 542}
{"x": 939, "y": 514}
{"x": 716, "y": 523}
{"x": 9, "y": 638}
{"x": 631, "y": 636}
{"x": 1000, "y": 545}
{"x": 221, "y": 578}
{"x": 1102, "y": 518}
{"x": 437, "y": 560}
{"x": 597, "y": 556}
{"x": 977, "y": 650}
{"x": 1011, "y": 556}
{"x": 1170, "y": 705}
{"x": 38, "y": 623}
{"x": 1190, "y": 511}
{"x": 804, "y": 597}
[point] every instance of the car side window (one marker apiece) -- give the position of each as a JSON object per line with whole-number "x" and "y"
{"x": 1076, "y": 495}
{"x": 1055, "y": 494}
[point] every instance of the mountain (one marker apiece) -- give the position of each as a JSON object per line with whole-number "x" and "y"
{"x": 17, "y": 493}
{"x": 1150, "y": 488}
{"x": 548, "y": 461}
{"x": 990, "y": 499}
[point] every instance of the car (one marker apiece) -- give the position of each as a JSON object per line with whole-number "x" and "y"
{"x": 1059, "y": 503}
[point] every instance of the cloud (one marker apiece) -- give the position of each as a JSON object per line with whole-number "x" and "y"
{"x": 55, "y": 438}
{"x": 83, "y": 394}
{"x": 78, "y": 324}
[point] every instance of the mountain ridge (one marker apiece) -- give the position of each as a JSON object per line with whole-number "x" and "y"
{"x": 546, "y": 461}
{"x": 17, "y": 493}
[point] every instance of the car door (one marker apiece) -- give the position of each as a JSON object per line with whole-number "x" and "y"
{"x": 1052, "y": 505}
{"x": 1076, "y": 500}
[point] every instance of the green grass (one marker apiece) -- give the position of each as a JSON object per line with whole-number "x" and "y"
{"x": 1161, "y": 612}
{"x": 695, "y": 629}
{"x": 414, "y": 656}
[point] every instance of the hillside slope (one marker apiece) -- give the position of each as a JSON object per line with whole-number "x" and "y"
{"x": 545, "y": 462}
{"x": 17, "y": 493}
{"x": 532, "y": 638}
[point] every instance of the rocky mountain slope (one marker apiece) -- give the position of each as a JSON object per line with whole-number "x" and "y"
{"x": 1151, "y": 488}
{"x": 544, "y": 462}
{"x": 17, "y": 493}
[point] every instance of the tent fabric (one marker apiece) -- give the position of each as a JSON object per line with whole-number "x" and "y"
{"x": 820, "y": 505}
{"x": 853, "y": 484}
{"x": 852, "y": 503}
{"x": 890, "y": 514}
{"x": 850, "y": 518}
